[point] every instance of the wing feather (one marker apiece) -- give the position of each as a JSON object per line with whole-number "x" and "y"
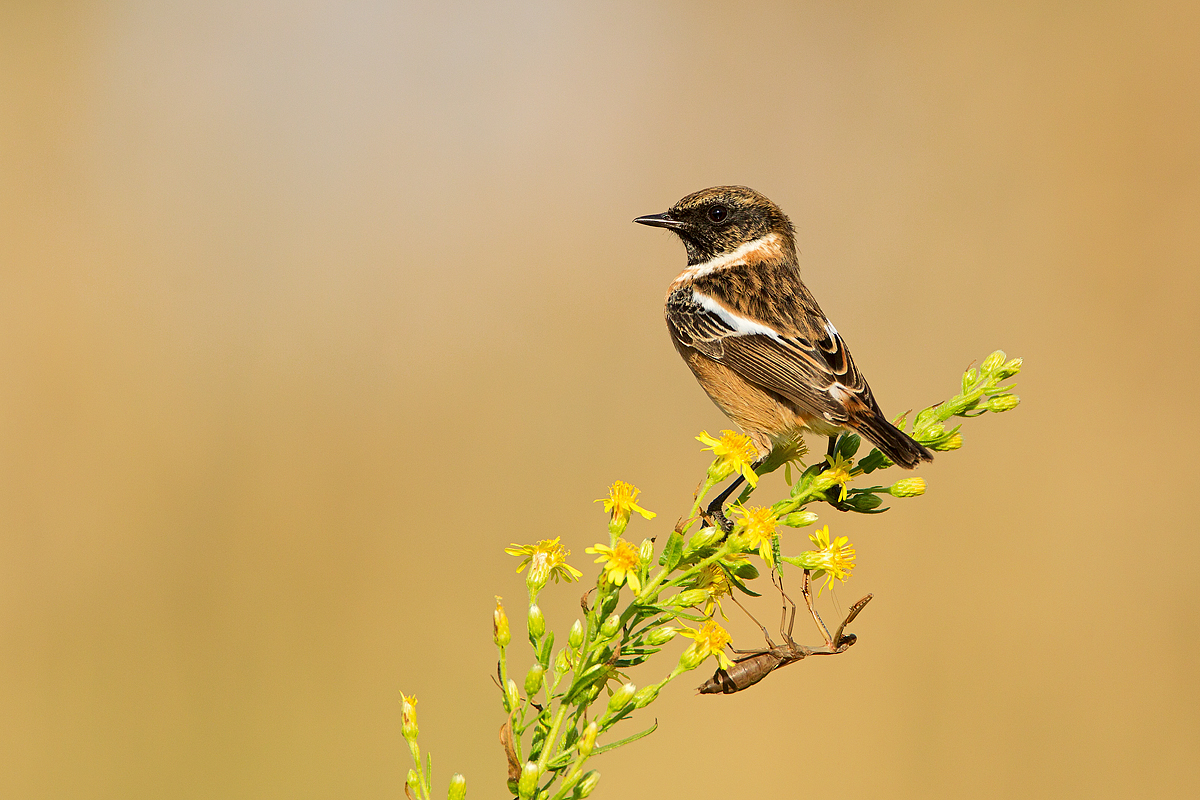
{"x": 816, "y": 373}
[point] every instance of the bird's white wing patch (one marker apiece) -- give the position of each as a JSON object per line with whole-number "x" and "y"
{"x": 742, "y": 326}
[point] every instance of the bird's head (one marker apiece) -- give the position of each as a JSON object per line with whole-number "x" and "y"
{"x": 716, "y": 221}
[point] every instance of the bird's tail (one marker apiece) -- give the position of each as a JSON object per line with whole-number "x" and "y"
{"x": 893, "y": 442}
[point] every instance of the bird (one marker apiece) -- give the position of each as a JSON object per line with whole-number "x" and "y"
{"x": 754, "y": 336}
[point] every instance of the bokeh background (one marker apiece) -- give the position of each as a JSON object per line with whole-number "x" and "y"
{"x": 308, "y": 309}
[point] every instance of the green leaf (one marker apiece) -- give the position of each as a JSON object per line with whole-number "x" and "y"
{"x": 543, "y": 654}
{"x": 625, "y": 741}
{"x": 673, "y": 551}
{"x": 736, "y": 583}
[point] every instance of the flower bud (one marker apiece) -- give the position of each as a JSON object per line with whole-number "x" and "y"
{"x": 703, "y": 538}
{"x": 610, "y": 627}
{"x": 1010, "y": 369}
{"x": 646, "y": 551}
{"x": 799, "y": 519}
{"x": 621, "y": 697}
{"x": 575, "y": 637}
{"x": 660, "y": 636}
{"x": 408, "y": 717}
{"x": 953, "y": 443}
{"x": 588, "y": 740}
{"x": 458, "y": 787}
{"x": 563, "y": 661}
{"x": 533, "y": 679}
{"x": 500, "y": 632}
{"x": 934, "y": 430}
{"x": 588, "y": 783}
{"x": 645, "y": 697}
{"x": 969, "y": 379}
{"x": 689, "y": 597}
{"x": 537, "y": 622}
{"x": 527, "y": 785}
{"x": 908, "y": 487}
{"x": 414, "y": 781}
{"x": 867, "y": 501}
{"x": 1005, "y": 402}
{"x": 512, "y": 696}
{"x": 692, "y": 657}
{"x": 992, "y": 362}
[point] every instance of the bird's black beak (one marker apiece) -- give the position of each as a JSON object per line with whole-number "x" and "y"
{"x": 663, "y": 220}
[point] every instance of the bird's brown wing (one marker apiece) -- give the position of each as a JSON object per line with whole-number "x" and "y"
{"x": 814, "y": 371}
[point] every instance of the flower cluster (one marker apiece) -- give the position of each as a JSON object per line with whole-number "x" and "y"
{"x": 561, "y": 711}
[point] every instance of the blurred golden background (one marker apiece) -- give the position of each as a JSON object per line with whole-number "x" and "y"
{"x": 308, "y": 310}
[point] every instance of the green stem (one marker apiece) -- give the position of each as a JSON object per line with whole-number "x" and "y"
{"x": 552, "y": 737}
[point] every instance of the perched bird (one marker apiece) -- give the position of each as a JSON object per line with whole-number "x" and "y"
{"x": 753, "y": 334}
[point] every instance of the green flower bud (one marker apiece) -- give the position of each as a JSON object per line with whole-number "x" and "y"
{"x": 691, "y": 658}
{"x": 575, "y": 637}
{"x": 533, "y": 679}
{"x": 703, "y": 538}
{"x": 645, "y": 697}
{"x": 992, "y": 362}
{"x": 908, "y": 487}
{"x": 953, "y": 443}
{"x": 588, "y": 740}
{"x": 537, "y": 622}
{"x": 621, "y": 697}
{"x": 690, "y": 597}
{"x": 799, "y": 519}
{"x": 610, "y": 627}
{"x": 458, "y": 787}
{"x": 660, "y": 636}
{"x": 588, "y": 783}
{"x": 969, "y": 379}
{"x": 527, "y": 785}
{"x": 413, "y": 780}
{"x": 512, "y": 696}
{"x": 1005, "y": 402}
{"x": 646, "y": 552}
{"x": 500, "y": 632}
{"x": 865, "y": 502}
{"x": 935, "y": 430}
{"x": 1010, "y": 369}
{"x": 563, "y": 662}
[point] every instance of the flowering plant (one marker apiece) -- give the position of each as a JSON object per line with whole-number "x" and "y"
{"x": 643, "y": 596}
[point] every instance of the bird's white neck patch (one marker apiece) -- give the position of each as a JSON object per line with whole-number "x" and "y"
{"x": 768, "y": 246}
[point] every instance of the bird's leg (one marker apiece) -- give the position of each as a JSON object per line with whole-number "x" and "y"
{"x": 716, "y": 510}
{"x": 831, "y": 452}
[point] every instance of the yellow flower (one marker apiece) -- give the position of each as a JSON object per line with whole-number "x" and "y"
{"x": 621, "y": 562}
{"x": 714, "y": 581}
{"x": 834, "y": 560}
{"x": 546, "y": 559}
{"x": 621, "y": 501}
{"x": 758, "y": 531}
{"x": 840, "y": 471}
{"x": 709, "y": 640}
{"x": 785, "y": 453}
{"x": 734, "y": 453}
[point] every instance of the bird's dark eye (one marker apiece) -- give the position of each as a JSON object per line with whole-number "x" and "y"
{"x": 718, "y": 214}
